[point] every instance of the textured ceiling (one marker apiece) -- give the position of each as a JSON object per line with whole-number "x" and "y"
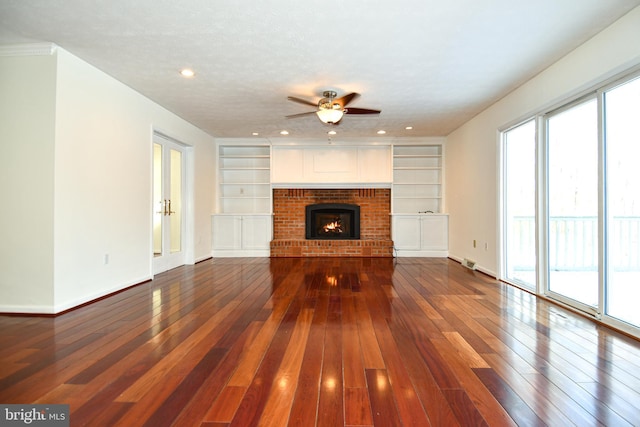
{"x": 425, "y": 63}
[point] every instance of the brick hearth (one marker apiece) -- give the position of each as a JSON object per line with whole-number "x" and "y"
{"x": 289, "y": 221}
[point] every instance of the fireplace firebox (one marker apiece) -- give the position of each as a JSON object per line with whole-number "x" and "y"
{"x": 338, "y": 221}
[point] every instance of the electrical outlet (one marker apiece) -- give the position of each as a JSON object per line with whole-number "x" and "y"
{"x": 486, "y": 246}
{"x": 106, "y": 259}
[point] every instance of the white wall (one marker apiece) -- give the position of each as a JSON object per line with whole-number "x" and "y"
{"x": 472, "y": 150}
{"x": 100, "y": 195}
{"x": 27, "y": 120}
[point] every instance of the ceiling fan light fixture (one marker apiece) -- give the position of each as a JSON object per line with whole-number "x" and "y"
{"x": 329, "y": 116}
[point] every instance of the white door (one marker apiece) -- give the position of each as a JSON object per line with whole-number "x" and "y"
{"x": 168, "y": 194}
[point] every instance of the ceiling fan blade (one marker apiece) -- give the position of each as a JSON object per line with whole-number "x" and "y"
{"x": 302, "y": 101}
{"x": 293, "y": 116}
{"x": 360, "y": 111}
{"x": 345, "y": 100}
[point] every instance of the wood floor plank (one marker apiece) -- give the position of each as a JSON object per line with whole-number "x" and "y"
{"x": 331, "y": 397}
{"x": 226, "y": 405}
{"x": 204, "y": 398}
{"x": 304, "y": 408}
{"x": 173, "y": 403}
{"x": 542, "y": 404}
{"x": 484, "y": 402}
{"x": 322, "y": 341}
{"x": 255, "y": 399}
{"x": 351, "y": 348}
{"x": 383, "y": 408}
{"x": 517, "y": 409}
{"x": 427, "y": 389}
{"x": 465, "y": 351}
{"x": 370, "y": 350}
{"x": 155, "y": 376}
{"x": 278, "y": 406}
{"x": 357, "y": 407}
{"x": 410, "y": 409}
{"x": 250, "y": 361}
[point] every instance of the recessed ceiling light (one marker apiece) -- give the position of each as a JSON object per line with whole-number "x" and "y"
{"x": 332, "y": 132}
{"x": 255, "y": 134}
{"x": 284, "y": 132}
{"x": 381, "y": 132}
{"x": 409, "y": 127}
{"x": 186, "y": 72}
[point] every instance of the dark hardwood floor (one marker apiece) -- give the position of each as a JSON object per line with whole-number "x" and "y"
{"x": 326, "y": 342}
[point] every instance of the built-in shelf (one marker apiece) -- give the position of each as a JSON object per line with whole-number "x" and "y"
{"x": 417, "y": 178}
{"x": 245, "y": 179}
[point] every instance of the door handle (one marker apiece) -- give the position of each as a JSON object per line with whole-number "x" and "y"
{"x": 169, "y": 211}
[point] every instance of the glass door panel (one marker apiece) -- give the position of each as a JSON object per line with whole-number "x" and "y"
{"x": 623, "y": 202}
{"x": 519, "y": 198}
{"x": 572, "y": 138}
{"x": 168, "y": 192}
{"x": 175, "y": 200}
{"x": 158, "y": 202}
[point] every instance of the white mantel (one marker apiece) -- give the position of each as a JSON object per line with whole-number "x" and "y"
{"x": 331, "y": 166}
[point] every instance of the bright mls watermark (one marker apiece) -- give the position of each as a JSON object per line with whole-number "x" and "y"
{"x": 34, "y": 415}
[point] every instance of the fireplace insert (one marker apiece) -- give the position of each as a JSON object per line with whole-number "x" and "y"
{"x": 338, "y": 221}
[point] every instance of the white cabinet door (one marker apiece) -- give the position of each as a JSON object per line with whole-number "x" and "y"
{"x": 256, "y": 232}
{"x": 406, "y": 232}
{"x": 434, "y": 233}
{"x": 227, "y": 232}
{"x": 242, "y": 235}
{"x": 421, "y": 235}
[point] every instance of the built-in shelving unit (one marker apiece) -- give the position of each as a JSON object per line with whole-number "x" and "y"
{"x": 244, "y": 176}
{"x": 248, "y": 171}
{"x": 417, "y": 179}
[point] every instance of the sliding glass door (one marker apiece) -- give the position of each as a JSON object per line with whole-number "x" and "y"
{"x": 572, "y": 203}
{"x": 622, "y": 126}
{"x": 519, "y": 204}
{"x": 586, "y": 222}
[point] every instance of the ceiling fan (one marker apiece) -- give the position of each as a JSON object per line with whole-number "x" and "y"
{"x": 331, "y": 109}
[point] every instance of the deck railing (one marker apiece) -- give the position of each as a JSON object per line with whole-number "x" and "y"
{"x": 573, "y": 243}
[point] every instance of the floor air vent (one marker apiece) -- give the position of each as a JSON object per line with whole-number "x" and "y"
{"x": 469, "y": 264}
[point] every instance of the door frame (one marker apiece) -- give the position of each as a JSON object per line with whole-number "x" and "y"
{"x": 187, "y": 203}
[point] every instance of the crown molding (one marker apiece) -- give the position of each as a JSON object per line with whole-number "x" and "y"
{"x": 28, "y": 49}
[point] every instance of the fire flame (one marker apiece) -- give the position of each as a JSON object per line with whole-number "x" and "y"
{"x": 332, "y": 226}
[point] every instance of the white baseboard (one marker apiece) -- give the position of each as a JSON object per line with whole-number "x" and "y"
{"x": 423, "y": 254}
{"x": 241, "y": 253}
{"x": 27, "y": 309}
{"x": 478, "y": 266}
{"x": 67, "y": 305}
{"x": 202, "y": 258}
{"x": 97, "y": 295}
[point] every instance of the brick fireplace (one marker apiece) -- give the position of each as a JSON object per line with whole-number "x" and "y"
{"x": 289, "y": 223}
